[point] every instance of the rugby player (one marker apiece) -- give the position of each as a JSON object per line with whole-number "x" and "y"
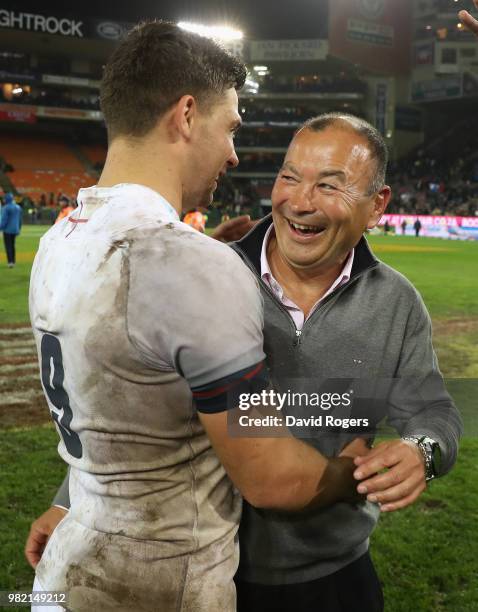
{"x": 114, "y": 289}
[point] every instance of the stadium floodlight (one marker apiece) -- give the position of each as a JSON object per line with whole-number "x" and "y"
{"x": 217, "y": 32}
{"x": 260, "y": 68}
{"x": 263, "y": 72}
{"x": 251, "y": 86}
{"x": 17, "y": 90}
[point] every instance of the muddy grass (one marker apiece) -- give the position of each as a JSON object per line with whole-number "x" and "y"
{"x": 449, "y": 327}
{"x": 22, "y": 403}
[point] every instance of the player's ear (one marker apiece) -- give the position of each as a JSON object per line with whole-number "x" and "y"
{"x": 183, "y": 116}
{"x": 380, "y": 203}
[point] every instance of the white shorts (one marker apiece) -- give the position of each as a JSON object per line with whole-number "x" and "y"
{"x": 36, "y": 608}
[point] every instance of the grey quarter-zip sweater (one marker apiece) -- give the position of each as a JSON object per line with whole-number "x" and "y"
{"x": 373, "y": 336}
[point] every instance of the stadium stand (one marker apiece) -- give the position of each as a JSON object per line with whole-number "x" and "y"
{"x": 95, "y": 153}
{"x": 43, "y": 166}
{"x": 430, "y": 173}
{"x": 440, "y": 178}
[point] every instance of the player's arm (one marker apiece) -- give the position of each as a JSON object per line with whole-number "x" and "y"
{"x": 42, "y": 528}
{"x": 282, "y": 473}
{"x": 40, "y": 532}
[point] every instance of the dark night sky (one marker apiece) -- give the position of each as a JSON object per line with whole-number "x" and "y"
{"x": 257, "y": 18}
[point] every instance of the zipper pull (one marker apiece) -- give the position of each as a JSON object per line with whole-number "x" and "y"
{"x": 298, "y": 334}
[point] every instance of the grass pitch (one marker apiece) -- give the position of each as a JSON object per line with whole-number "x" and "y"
{"x": 425, "y": 555}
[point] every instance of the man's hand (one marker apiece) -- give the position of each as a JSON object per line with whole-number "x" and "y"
{"x": 40, "y": 532}
{"x": 358, "y": 447}
{"x": 234, "y": 229}
{"x": 403, "y": 481}
{"x": 468, "y": 21}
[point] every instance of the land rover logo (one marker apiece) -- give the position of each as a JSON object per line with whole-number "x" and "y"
{"x": 372, "y": 9}
{"x": 109, "y": 29}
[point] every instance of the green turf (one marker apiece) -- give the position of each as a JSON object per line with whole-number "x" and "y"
{"x": 424, "y": 555}
{"x": 31, "y": 473}
{"x": 14, "y": 281}
{"x": 447, "y": 280}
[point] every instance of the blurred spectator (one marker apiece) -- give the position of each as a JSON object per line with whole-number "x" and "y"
{"x": 196, "y": 219}
{"x": 439, "y": 179}
{"x": 417, "y": 226}
{"x": 10, "y": 225}
{"x": 65, "y": 208}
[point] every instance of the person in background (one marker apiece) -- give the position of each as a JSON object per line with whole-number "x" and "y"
{"x": 196, "y": 219}
{"x": 417, "y": 226}
{"x": 65, "y": 208}
{"x": 10, "y": 225}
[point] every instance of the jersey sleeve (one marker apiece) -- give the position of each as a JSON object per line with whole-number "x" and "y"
{"x": 195, "y": 307}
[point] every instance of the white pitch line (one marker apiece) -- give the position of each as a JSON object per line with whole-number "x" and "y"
{"x": 5, "y": 369}
{"x": 13, "y": 352}
{"x": 20, "y": 331}
{"x": 24, "y": 397}
{"x": 18, "y": 379}
{"x": 4, "y": 346}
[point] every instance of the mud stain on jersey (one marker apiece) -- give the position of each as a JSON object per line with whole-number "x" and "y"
{"x": 116, "y": 584}
{"x": 116, "y": 245}
{"x": 87, "y": 591}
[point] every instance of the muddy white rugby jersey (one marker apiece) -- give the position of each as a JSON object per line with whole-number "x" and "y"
{"x": 131, "y": 309}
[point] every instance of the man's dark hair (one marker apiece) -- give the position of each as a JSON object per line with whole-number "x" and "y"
{"x": 153, "y": 67}
{"x": 375, "y": 141}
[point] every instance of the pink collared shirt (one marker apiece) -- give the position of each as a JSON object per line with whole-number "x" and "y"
{"x": 295, "y": 312}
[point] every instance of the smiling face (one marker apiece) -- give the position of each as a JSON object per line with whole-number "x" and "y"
{"x": 213, "y": 150}
{"x": 320, "y": 201}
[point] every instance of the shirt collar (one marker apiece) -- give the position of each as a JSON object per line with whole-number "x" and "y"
{"x": 95, "y": 195}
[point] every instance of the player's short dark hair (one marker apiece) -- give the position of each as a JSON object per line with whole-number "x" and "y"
{"x": 153, "y": 67}
{"x": 375, "y": 141}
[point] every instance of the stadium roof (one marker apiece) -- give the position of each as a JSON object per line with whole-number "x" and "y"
{"x": 257, "y": 18}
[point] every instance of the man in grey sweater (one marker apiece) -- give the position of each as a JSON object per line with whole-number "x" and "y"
{"x": 336, "y": 318}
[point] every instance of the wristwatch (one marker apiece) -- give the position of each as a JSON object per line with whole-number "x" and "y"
{"x": 431, "y": 452}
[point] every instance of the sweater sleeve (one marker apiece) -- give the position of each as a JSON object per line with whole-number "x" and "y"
{"x": 419, "y": 403}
